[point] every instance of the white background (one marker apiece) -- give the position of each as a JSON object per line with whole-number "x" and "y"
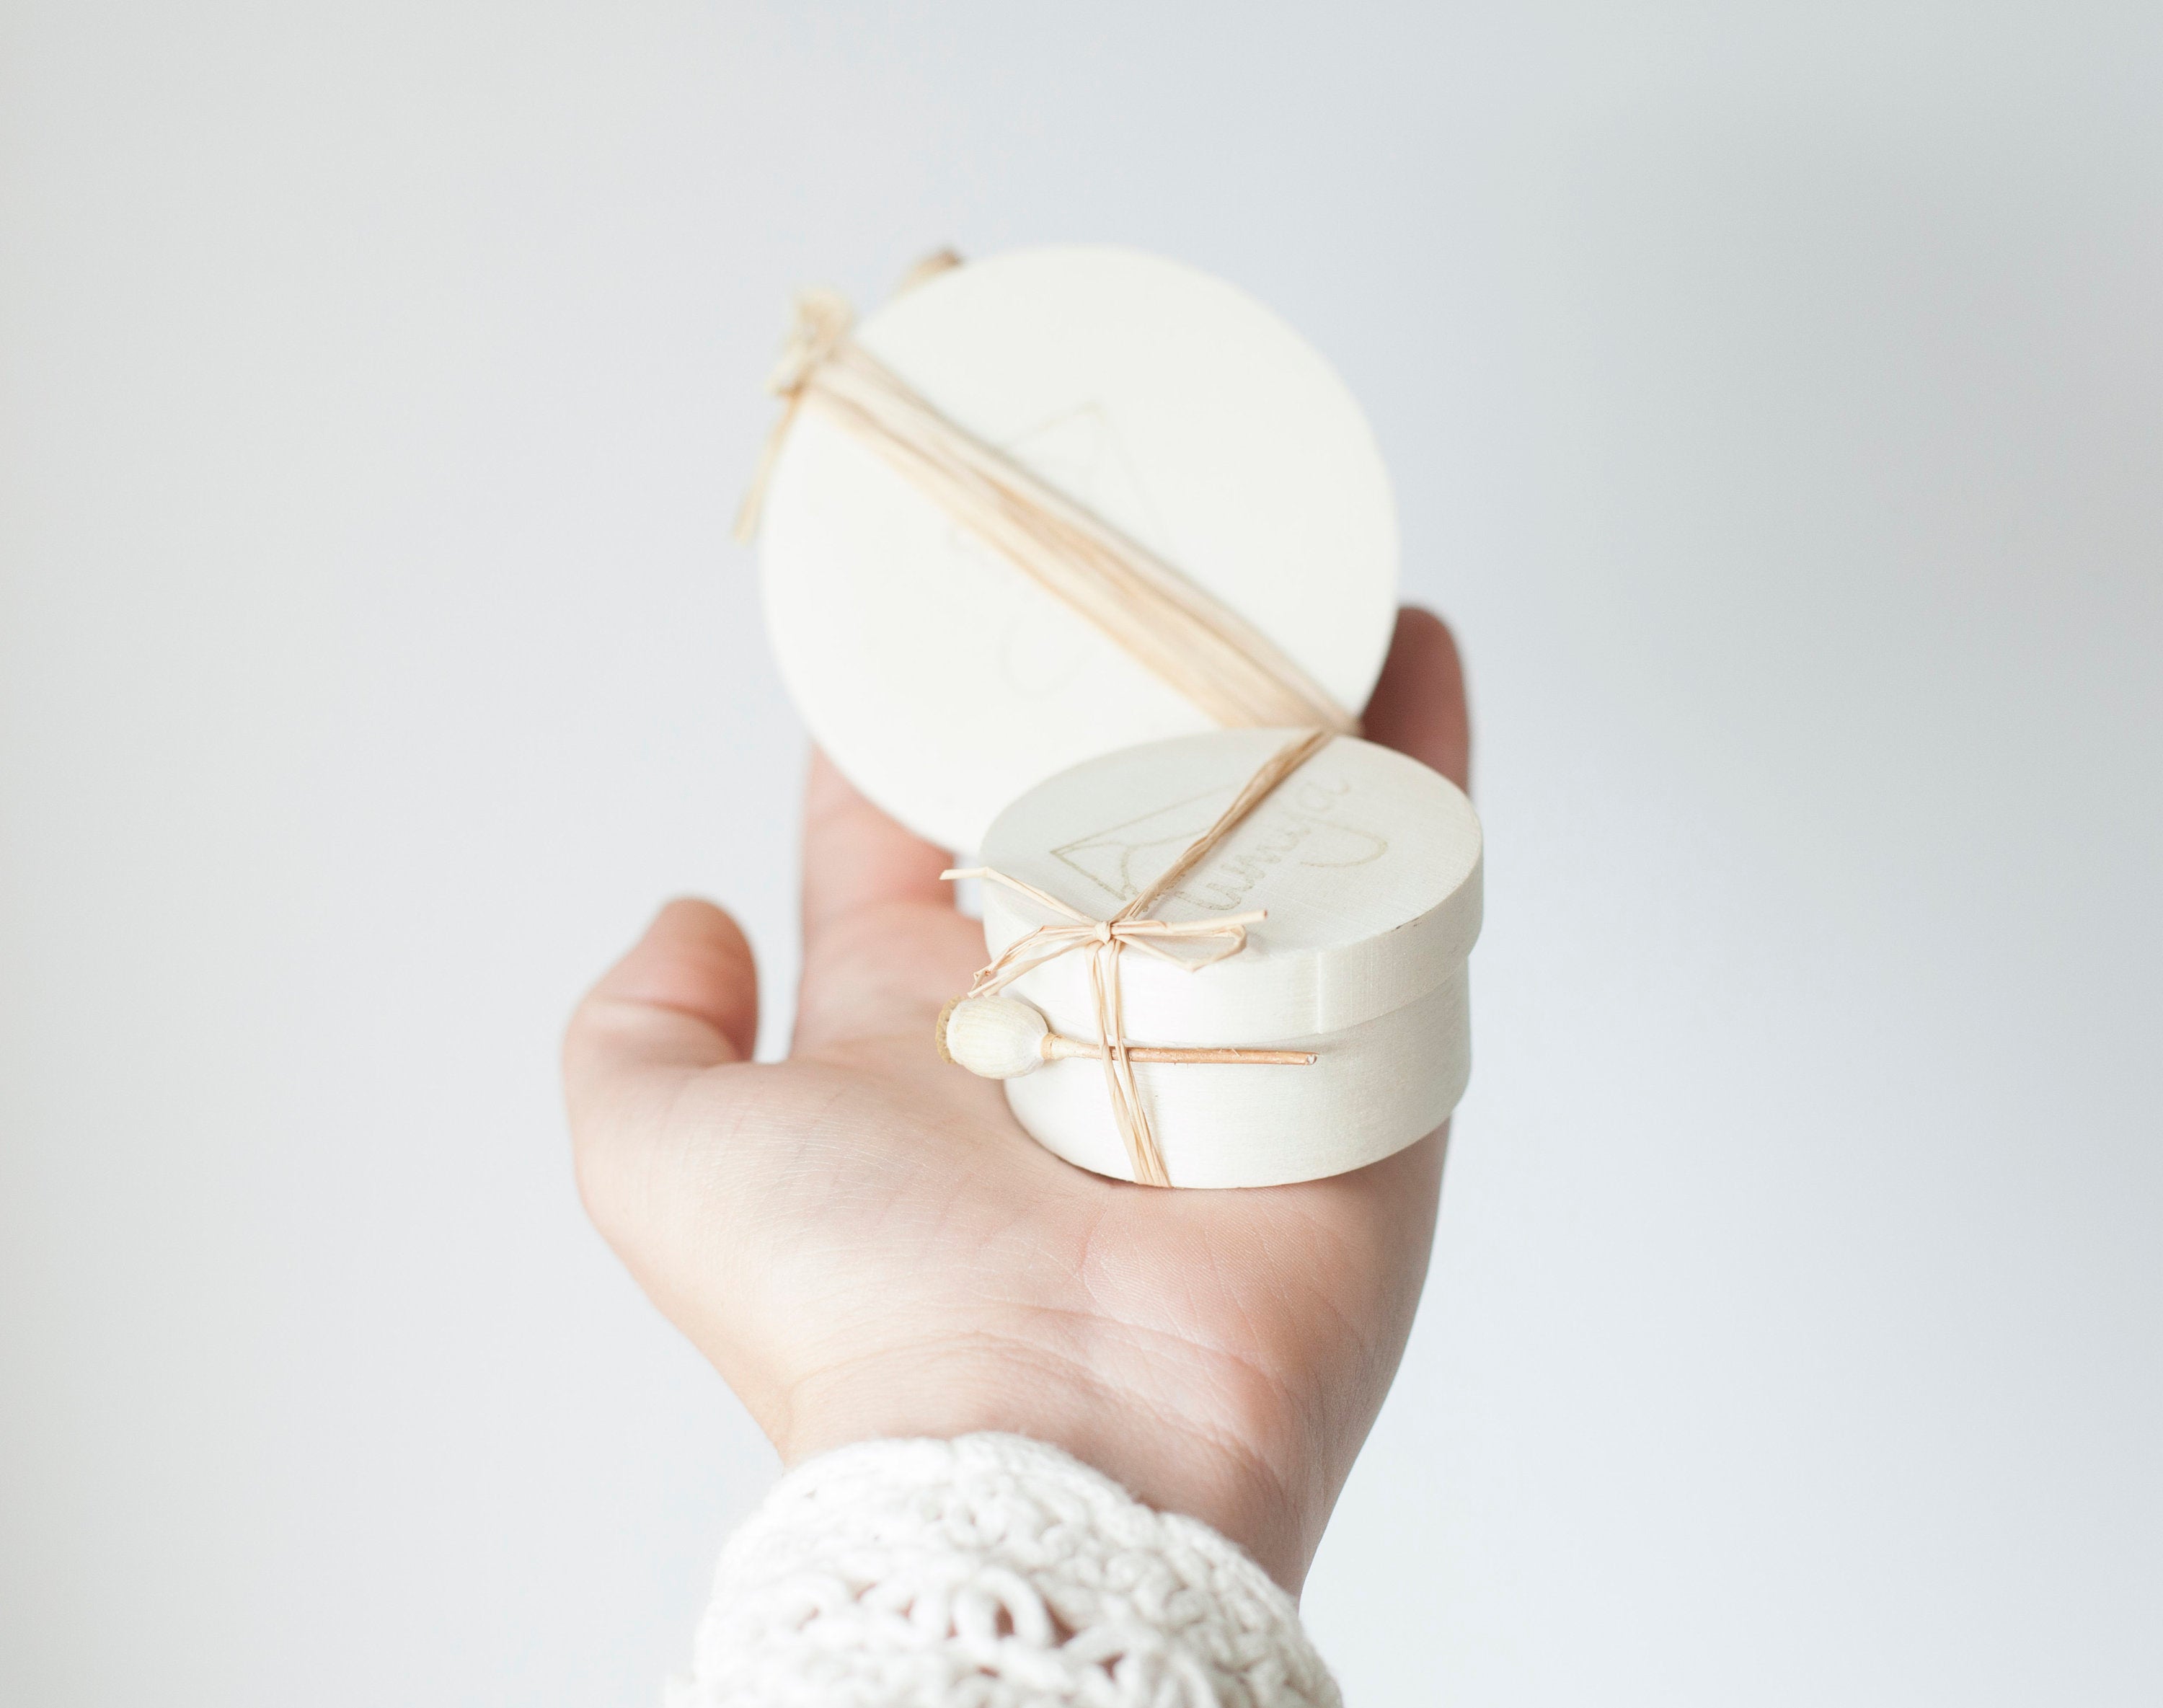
{"x": 1776, "y": 395}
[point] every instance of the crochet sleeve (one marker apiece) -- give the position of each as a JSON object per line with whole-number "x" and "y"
{"x": 989, "y": 1572}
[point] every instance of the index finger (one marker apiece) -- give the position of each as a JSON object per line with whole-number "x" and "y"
{"x": 857, "y": 857}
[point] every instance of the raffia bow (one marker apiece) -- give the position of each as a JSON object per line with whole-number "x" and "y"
{"x": 1131, "y": 927}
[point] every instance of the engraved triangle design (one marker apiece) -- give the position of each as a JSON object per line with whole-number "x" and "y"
{"x": 1122, "y": 859}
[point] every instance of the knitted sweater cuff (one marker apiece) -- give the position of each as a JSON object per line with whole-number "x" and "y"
{"x": 991, "y": 1571}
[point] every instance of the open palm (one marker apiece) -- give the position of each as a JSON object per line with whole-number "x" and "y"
{"x": 866, "y": 1244}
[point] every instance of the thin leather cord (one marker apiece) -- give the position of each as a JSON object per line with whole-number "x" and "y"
{"x": 1103, "y": 938}
{"x": 1183, "y": 635}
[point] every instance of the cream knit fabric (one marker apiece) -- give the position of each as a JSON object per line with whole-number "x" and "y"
{"x": 989, "y": 1572}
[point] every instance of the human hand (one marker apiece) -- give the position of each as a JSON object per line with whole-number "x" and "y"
{"x": 867, "y": 1245}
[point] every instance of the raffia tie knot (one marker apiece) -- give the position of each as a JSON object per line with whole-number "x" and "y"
{"x": 1033, "y": 949}
{"x": 822, "y": 320}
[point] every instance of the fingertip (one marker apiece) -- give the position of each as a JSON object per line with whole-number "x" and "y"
{"x": 694, "y": 958}
{"x": 1418, "y": 705}
{"x": 686, "y": 995}
{"x": 691, "y": 926}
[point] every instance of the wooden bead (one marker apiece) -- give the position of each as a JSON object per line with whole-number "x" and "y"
{"x": 994, "y": 1037}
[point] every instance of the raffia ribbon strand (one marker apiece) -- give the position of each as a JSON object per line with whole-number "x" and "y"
{"x": 1184, "y": 636}
{"x": 1102, "y": 941}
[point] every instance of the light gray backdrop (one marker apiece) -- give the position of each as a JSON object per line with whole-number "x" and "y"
{"x": 1776, "y": 394}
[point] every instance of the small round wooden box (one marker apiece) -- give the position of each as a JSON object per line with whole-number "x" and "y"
{"x": 1368, "y": 864}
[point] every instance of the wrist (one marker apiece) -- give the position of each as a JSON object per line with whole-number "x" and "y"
{"x": 1231, "y": 1478}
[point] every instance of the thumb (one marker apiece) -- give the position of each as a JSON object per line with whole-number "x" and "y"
{"x": 684, "y": 999}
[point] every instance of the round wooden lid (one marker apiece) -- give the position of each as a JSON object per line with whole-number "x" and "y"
{"x": 937, "y": 676}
